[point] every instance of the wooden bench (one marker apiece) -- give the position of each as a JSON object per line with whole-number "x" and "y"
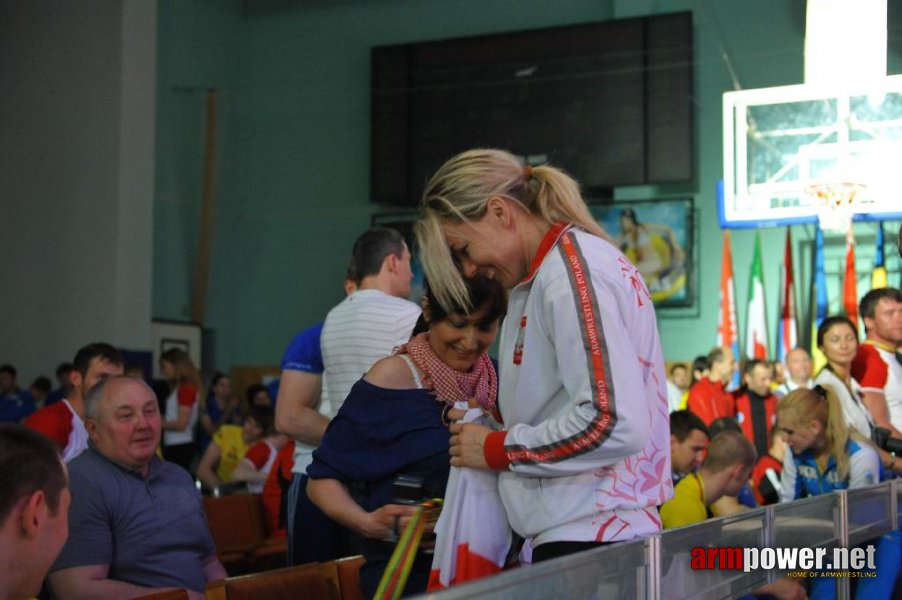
{"x": 333, "y": 580}
{"x": 236, "y": 522}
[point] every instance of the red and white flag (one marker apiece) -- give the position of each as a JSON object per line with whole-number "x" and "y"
{"x": 727, "y": 327}
{"x": 472, "y": 534}
{"x": 756, "y": 316}
{"x": 787, "y": 332}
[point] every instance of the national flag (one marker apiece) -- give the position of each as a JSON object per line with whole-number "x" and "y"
{"x": 727, "y": 327}
{"x": 878, "y": 276}
{"x": 787, "y": 332}
{"x": 756, "y": 314}
{"x": 818, "y": 304}
{"x": 850, "y": 286}
{"x": 472, "y": 534}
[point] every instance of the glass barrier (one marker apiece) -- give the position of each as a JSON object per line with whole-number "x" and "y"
{"x": 809, "y": 523}
{"x": 870, "y": 513}
{"x": 724, "y": 537}
{"x": 661, "y": 567}
{"x": 618, "y": 571}
{"x": 897, "y": 483}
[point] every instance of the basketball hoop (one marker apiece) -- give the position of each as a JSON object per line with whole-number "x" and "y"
{"x": 835, "y": 203}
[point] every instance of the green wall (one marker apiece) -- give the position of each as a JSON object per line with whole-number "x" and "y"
{"x": 292, "y": 80}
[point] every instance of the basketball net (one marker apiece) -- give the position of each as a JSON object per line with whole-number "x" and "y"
{"x": 835, "y": 203}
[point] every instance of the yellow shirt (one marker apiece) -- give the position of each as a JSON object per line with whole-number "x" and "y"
{"x": 687, "y": 505}
{"x": 230, "y": 439}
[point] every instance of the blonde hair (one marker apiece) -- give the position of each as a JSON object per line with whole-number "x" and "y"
{"x": 821, "y": 404}
{"x": 459, "y": 192}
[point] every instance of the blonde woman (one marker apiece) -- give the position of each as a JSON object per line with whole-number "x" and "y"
{"x": 584, "y": 459}
{"x": 180, "y": 412}
{"x": 826, "y": 454}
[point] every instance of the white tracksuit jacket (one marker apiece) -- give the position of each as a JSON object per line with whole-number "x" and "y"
{"x": 586, "y": 451}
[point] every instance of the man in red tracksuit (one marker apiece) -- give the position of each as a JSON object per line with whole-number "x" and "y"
{"x": 708, "y": 398}
{"x": 756, "y": 406}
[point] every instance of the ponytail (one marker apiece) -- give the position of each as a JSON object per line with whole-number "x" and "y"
{"x": 459, "y": 192}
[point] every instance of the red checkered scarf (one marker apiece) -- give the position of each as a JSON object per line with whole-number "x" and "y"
{"x": 450, "y": 385}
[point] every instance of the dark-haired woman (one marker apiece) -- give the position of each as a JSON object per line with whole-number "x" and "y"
{"x": 392, "y": 425}
{"x": 837, "y": 338}
{"x": 220, "y": 408}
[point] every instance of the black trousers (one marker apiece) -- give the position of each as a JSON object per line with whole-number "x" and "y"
{"x": 556, "y": 549}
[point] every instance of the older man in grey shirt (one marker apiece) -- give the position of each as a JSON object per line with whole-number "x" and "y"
{"x": 136, "y": 522}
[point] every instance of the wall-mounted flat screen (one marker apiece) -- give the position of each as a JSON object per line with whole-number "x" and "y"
{"x": 610, "y": 102}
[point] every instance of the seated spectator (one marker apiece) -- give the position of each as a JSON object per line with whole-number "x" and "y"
{"x": 230, "y": 445}
{"x": 221, "y": 408}
{"x": 275, "y": 491}
{"x": 261, "y": 456}
{"x": 15, "y": 404}
{"x": 40, "y": 390}
{"x": 34, "y": 509}
{"x": 688, "y": 440}
{"x": 826, "y": 454}
{"x": 777, "y": 375}
{"x": 756, "y": 407}
{"x": 135, "y": 371}
{"x": 391, "y": 424}
{"x": 677, "y": 386}
{"x": 731, "y": 504}
{"x": 708, "y": 397}
{"x": 258, "y": 395}
{"x": 766, "y": 474}
{"x": 65, "y": 386}
{"x": 700, "y": 369}
{"x": 799, "y": 369}
{"x": 726, "y": 469}
{"x": 63, "y": 422}
{"x": 136, "y": 522}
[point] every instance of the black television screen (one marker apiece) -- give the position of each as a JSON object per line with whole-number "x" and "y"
{"x": 609, "y": 102}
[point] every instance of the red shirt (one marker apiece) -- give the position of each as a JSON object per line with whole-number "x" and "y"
{"x": 709, "y": 400}
{"x": 869, "y": 369}
{"x": 762, "y": 486}
{"x": 61, "y": 424}
{"x": 743, "y": 405}
{"x": 276, "y": 488}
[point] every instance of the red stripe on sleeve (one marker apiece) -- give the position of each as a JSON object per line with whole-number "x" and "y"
{"x": 589, "y": 317}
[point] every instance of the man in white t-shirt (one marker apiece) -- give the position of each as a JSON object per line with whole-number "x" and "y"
{"x": 877, "y": 366}
{"x": 363, "y": 328}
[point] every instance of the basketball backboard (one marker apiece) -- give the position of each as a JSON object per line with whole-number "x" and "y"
{"x": 782, "y": 142}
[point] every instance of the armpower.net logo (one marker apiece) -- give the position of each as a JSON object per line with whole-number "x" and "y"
{"x": 797, "y": 562}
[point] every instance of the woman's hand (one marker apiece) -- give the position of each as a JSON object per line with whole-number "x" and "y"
{"x": 388, "y": 521}
{"x": 456, "y": 414}
{"x": 467, "y": 443}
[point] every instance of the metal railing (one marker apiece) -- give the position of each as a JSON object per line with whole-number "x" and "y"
{"x": 659, "y": 567}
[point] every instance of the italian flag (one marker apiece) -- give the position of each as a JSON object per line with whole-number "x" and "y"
{"x": 756, "y": 317}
